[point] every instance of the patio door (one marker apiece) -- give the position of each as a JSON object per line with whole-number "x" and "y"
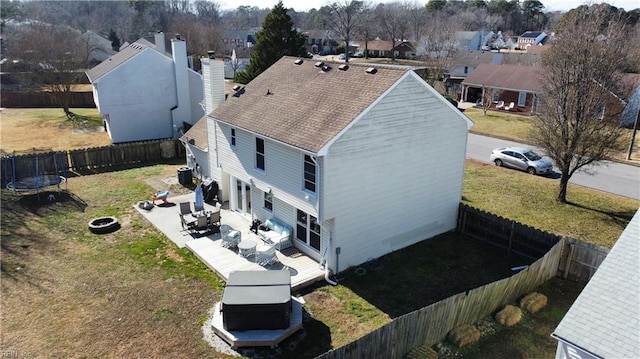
{"x": 241, "y": 197}
{"x": 308, "y": 230}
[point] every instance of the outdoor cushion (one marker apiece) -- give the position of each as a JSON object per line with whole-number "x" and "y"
{"x": 278, "y": 233}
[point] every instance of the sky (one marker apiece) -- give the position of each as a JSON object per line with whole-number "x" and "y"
{"x": 305, "y": 5}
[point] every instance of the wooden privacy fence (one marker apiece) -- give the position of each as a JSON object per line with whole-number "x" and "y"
{"x": 580, "y": 260}
{"x": 430, "y": 325}
{"x": 504, "y": 233}
{"x": 97, "y": 158}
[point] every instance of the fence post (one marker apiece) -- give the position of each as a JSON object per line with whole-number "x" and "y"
{"x": 511, "y": 230}
{"x": 567, "y": 264}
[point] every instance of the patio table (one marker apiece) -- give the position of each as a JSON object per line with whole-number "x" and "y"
{"x": 247, "y": 248}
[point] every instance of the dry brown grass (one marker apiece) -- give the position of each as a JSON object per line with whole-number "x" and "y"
{"x": 69, "y": 293}
{"x": 24, "y": 129}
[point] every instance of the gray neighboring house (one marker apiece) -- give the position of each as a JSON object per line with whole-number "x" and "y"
{"x": 470, "y": 40}
{"x": 604, "y": 321}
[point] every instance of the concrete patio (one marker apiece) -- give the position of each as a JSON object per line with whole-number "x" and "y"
{"x": 207, "y": 247}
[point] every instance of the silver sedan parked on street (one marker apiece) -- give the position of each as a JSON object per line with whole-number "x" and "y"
{"x": 521, "y": 158}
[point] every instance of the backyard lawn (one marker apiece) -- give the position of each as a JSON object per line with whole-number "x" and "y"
{"x": 69, "y": 293}
{"x": 24, "y": 129}
{"x": 133, "y": 293}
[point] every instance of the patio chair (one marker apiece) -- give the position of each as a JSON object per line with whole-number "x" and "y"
{"x": 500, "y": 105}
{"x": 185, "y": 208}
{"x": 214, "y": 219}
{"x": 511, "y": 106}
{"x": 266, "y": 254}
{"x": 230, "y": 239}
{"x": 201, "y": 224}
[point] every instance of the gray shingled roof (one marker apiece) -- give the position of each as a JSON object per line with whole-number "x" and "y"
{"x": 114, "y": 61}
{"x": 532, "y": 34}
{"x": 197, "y": 134}
{"x": 605, "y": 319}
{"x": 302, "y": 105}
{"x": 506, "y": 77}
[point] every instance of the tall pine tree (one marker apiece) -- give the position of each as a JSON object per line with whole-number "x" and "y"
{"x": 277, "y": 38}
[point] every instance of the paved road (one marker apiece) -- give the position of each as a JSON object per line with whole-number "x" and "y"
{"x": 612, "y": 177}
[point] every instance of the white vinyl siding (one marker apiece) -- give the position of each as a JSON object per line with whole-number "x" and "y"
{"x": 284, "y": 175}
{"x": 402, "y": 187}
{"x": 148, "y": 77}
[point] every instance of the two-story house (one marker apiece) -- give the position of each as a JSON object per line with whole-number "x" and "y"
{"x": 469, "y": 40}
{"x": 143, "y": 92}
{"x": 321, "y": 42}
{"x": 359, "y": 160}
{"x": 531, "y": 38}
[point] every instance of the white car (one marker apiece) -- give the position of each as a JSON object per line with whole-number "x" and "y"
{"x": 521, "y": 158}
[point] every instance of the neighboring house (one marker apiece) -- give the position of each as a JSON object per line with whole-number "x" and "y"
{"x": 631, "y": 110}
{"x": 195, "y": 138}
{"x": 604, "y": 321}
{"x": 321, "y": 42}
{"x": 531, "y": 38}
{"x": 383, "y": 48}
{"x": 143, "y": 94}
{"x": 509, "y": 83}
{"x": 100, "y": 47}
{"x": 237, "y": 39}
{"x": 360, "y": 160}
{"x": 469, "y": 40}
{"x": 495, "y": 41}
{"x": 463, "y": 63}
{"x": 238, "y": 61}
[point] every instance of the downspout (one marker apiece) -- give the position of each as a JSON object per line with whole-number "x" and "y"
{"x": 326, "y": 263}
{"x": 324, "y": 259}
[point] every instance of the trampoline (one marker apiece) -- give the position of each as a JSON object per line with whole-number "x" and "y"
{"x": 35, "y": 183}
{"x": 34, "y": 171}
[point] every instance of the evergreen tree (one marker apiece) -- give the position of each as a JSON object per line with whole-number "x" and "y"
{"x": 277, "y": 38}
{"x": 115, "y": 41}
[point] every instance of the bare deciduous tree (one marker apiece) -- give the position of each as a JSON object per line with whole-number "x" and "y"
{"x": 439, "y": 42}
{"x": 578, "y": 123}
{"x": 344, "y": 18}
{"x": 393, "y": 18}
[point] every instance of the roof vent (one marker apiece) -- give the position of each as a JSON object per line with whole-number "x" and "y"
{"x": 371, "y": 70}
{"x": 343, "y": 67}
{"x": 319, "y": 64}
{"x": 326, "y": 68}
{"x": 239, "y": 92}
{"x": 298, "y": 62}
